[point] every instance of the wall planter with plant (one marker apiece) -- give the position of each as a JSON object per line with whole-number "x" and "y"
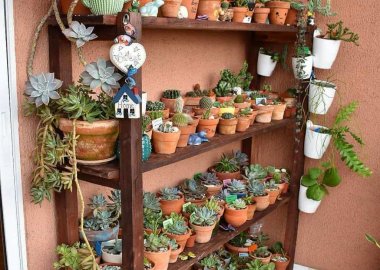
{"x": 260, "y": 13}
{"x": 278, "y": 11}
{"x": 169, "y": 97}
{"x": 321, "y": 96}
{"x": 266, "y": 62}
{"x": 101, "y": 7}
{"x": 112, "y": 251}
{"x": 302, "y": 63}
{"x": 171, "y": 201}
{"x": 236, "y": 213}
{"x": 317, "y": 139}
{"x": 157, "y": 249}
{"x": 165, "y": 138}
{"x": 209, "y": 8}
{"x": 203, "y": 221}
{"x": 227, "y": 124}
{"x": 240, "y": 10}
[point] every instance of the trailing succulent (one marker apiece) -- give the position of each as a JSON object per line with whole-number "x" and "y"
{"x": 203, "y": 216}
{"x": 171, "y": 94}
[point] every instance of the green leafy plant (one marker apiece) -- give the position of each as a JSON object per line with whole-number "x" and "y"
{"x": 171, "y": 94}
{"x": 236, "y": 186}
{"x": 76, "y": 257}
{"x": 226, "y": 83}
{"x": 203, "y": 216}
{"x": 227, "y": 164}
{"x": 262, "y": 252}
{"x": 156, "y": 243}
{"x": 336, "y": 31}
{"x": 316, "y": 6}
{"x": 258, "y": 265}
{"x": 211, "y": 261}
{"x": 244, "y": 77}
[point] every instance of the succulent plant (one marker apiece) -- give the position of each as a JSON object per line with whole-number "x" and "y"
{"x": 167, "y": 128}
{"x": 205, "y": 103}
{"x": 245, "y": 112}
{"x": 192, "y": 190}
{"x": 115, "y": 205}
{"x": 211, "y": 261}
{"x": 198, "y": 93}
{"x": 171, "y": 94}
{"x": 155, "y": 106}
{"x": 239, "y": 99}
{"x": 241, "y": 158}
{"x": 181, "y": 119}
{"x": 173, "y": 244}
{"x": 238, "y": 204}
{"x": 271, "y": 185}
{"x": 101, "y": 221}
{"x": 150, "y": 201}
{"x": 170, "y": 194}
{"x": 227, "y": 164}
{"x": 147, "y": 264}
{"x": 156, "y": 243}
{"x": 258, "y": 265}
{"x": 226, "y": 83}
{"x": 236, "y": 186}
{"x": 255, "y": 171}
{"x": 177, "y": 227}
{"x": 227, "y": 116}
{"x": 41, "y": 88}
{"x": 203, "y": 217}
{"x": 145, "y": 123}
{"x": 80, "y": 33}
{"x": 261, "y": 252}
{"x": 152, "y": 219}
{"x": 178, "y": 105}
{"x": 208, "y": 178}
{"x": 114, "y": 248}
{"x": 213, "y": 204}
{"x": 256, "y": 188}
{"x": 76, "y": 257}
{"x": 207, "y": 114}
{"x": 249, "y": 200}
{"x": 190, "y": 208}
{"x": 101, "y": 74}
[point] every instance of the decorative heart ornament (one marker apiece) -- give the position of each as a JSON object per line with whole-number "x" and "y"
{"x": 123, "y": 56}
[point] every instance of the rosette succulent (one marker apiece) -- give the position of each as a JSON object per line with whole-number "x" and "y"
{"x": 41, "y": 88}
{"x": 80, "y": 33}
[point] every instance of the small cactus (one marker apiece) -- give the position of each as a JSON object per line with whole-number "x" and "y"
{"x": 156, "y": 114}
{"x": 180, "y": 120}
{"x": 227, "y": 116}
{"x": 171, "y": 94}
{"x": 205, "y": 103}
{"x": 155, "y": 106}
{"x": 178, "y": 105}
{"x": 239, "y": 99}
{"x": 167, "y": 128}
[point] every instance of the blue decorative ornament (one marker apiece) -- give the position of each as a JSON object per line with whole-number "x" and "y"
{"x": 146, "y": 147}
{"x": 197, "y": 138}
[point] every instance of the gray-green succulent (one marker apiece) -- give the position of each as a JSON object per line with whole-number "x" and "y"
{"x": 170, "y": 194}
{"x": 236, "y": 186}
{"x": 238, "y": 204}
{"x": 203, "y": 217}
{"x": 255, "y": 171}
{"x": 256, "y": 188}
{"x": 80, "y": 33}
{"x": 156, "y": 243}
{"x": 41, "y": 88}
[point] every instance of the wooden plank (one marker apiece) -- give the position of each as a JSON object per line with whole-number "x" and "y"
{"x": 222, "y": 237}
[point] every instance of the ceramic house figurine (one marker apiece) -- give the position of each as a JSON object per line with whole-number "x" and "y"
{"x": 151, "y": 9}
{"x": 128, "y": 105}
{"x": 182, "y": 13}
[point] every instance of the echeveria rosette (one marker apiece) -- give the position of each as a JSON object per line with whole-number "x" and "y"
{"x": 101, "y": 74}
{"x": 80, "y": 33}
{"x": 41, "y": 88}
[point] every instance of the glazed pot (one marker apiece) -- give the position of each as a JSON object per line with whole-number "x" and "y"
{"x": 169, "y": 102}
{"x": 302, "y": 68}
{"x": 213, "y": 189}
{"x": 251, "y": 211}
{"x": 227, "y": 126}
{"x": 291, "y": 19}
{"x": 305, "y": 204}
{"x": 192, "y": 7}
{"x": 209, "y": 8}
{"x": 278, "y": 11}
{"x": 273, "y": 194}
{"x": 235, "y": 217}
{"x": 321, "y": 97}
{"x": 224, "y": 99}
{"x": 264, "y": 114}
{"x": 260, "y": 15}
{"x": 104, "y": 7}
{"x": 265, "y": 260}
{"x": 325, "y": 52}
{"x": 252, "y": 117}
{"x": 109, "y": 257}
{"x": 185, "y": 134}
{"x": 101, "y": 236}
{"x": 262, "y": 202}
{"x": 170, "y": 8}
{"x": 280, "y": 265}
{"x": 316, "y": 143}
{"x": 278, "y": 111}
{"x": 80, "y": 9}
{"x": 242, "y": 105}
{"x": 200, "y": 111}
{"x": 191, "y": 241}
{"x": 243, "y": 124}
{"x": 239, "y": 14}
{"x": 174, "y": 254}
{"x": 203, "y": 233}
{"x": 181, "y": 239}
{"x": 160, "y": 259}
{"x": 97, "y": 140}
{"x": 172, "y": 206}
{"x": 208, "y": 125}
{"x": 165, "y": 143}
{"x": 265, "y": 65}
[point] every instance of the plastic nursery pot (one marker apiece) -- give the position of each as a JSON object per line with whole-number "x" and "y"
{"x": 203, "y": 233}
{"x": 316, "y": 143}
{"x": 251, "y": 211}
{"x": 209, "y": 8}
{"x": 174, "y": 254}
{"x": 104, "y": 7}
{"x": 97, "y": 140}
{"x": 305, "y": 204}
{"x": 192, "y": 7}
{"x": 235, "y": 217}
{"x": 265, "y": 260}
{"x": 239, "y": 14}
{"x": 304, "y": 69}
{"x": 170, "y": 8}
{"x": 260, "y": 15}
{"x": 243, "y": 124}
{"x": 278, "y": 11}
{"x": 321, "y": 96}
{"x": 185, "y": 134}
{"x": 252, "y": 117}
{"x": 224, "y": 99}
{"x": 278, "y": 111}
{"x": 181, "y": 239}
{"x": 101, "y": 236}
{"x": 291, "y": 19}
{"x": 171, "y": 206}
{"x": 109, "y": 257}
{"x": 280, "y": 265}
{"x": 208, "y": 125}
{"x": 165, "y": 143}
{"x": 262, "y": 202}
{"x": 264, "y": 114}
{"x": 227, "y": 126}
{"x": 200, "y": 111}
{"x": 265, "y": 65}
{"x": 80, "y": 9}
{"x": 160, "y": 259}
{"x": 324, "y": 52}
{"x": 273, "y": 194}
{"x": 191, "y": 241}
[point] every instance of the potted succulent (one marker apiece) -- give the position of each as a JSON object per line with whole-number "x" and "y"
{"x": 203, "y": 221}
{"x": 188, "y": 209}
{"x": 279, "y": 257}
{"x": 227, "y": 124}
{"x": 212, "y": 183}
{"x": 260, "y": 196}
{"x": 209, "y": 8}
{"x": 236, "y": 213}
{"x": 251, "y": 205}
{"x": 247, "y": 112}
{"x": 262, "y": 254}
{"x": 208, "y": 123}
{"x": 110, "y": 266}
{"x": 210, "y": 262}
{"x": 112, "y": 251}
{"x": 241, "y": 243}
{"x": 183, "y": 122}
{"x": 214, "y": 205}
{"x": 156, "y": 108}
{"x": 225, "y": 86}
{"x": 165, "y": 138}
{"x": 169, "y": 97}
{"x": 273, "y": 191}
{"x": 194, "y": 97}
{"x": 266, "y": 62}
{"x": 236, "y": 187}
{"x": 255, "y": 172}
{"x": 264, "y": 113}
{"x": 326, "y": 47}
{"x": 259, "y": 265}
{"x": 170, "y": 8}
{"x": 178, "y": 230}
{"x": 157, "y": 249}
{"x": 278, "y": 110}
{"x": 321, "y": 96}
{"x": 193, "y": 191}
{"x": 227, "y": 168}
{"x": 100, "y": 7}
{"x": 240, "y": 10}
{"x": 74, "y": 256}
{"x": 227, "y": 107}
{"x": 317, "y": 139}
{"x": 206, "y": 103}
{"x": 278, "y": 11}
{"x": 244, "y": 121}
{"x": 152, "y": 213}
{"x": 260, "y": 13}
{"x": 302, "y": 63}
{"x": 175, "y": 250}
{"x": 171, "y": 200}
{"x": 191, "y": 241}
{"x": 240, "y": 103}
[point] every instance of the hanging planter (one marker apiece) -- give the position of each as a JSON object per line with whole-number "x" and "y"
{"x": 303, "y": 63}
{"x": 316, "y": 141}
{"x": 305, "y": 204}
{"x": 104, "y": 7}
{"x": 266, "y": 62}
{"x": 321, "y": 96}
{"x": 278, "y": 11}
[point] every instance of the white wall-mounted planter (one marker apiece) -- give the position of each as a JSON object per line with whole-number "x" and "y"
{"x": 324, "y": 52}
{"x": 305, "y": 204}
{"x": 316, "y": 143}
{"x": 265, "y": 65}
{"x": 321, "y": 96}
{"x": 305, "y": 68}
{"x": 108, "y": 257}
{"x": 144, "y": 98}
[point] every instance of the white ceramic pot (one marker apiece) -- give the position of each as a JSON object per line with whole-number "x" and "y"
{"x": 324, "y": 52}
{"x": 265, "y": 65}
{"x": 304, "y": 68}
{"x": 321, "y": 97}
{"x": 108, "y": 257}
{"x": 144, "y": 98}
{"x": 315, "y": 143}
{"x": 305, "y": 204}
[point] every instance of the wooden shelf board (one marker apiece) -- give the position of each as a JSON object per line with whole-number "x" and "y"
{"x": 202, "y": 250}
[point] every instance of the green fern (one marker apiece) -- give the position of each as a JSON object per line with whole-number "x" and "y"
{"x": 345, "y": 113}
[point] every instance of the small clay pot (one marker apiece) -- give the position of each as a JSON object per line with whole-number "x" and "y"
{"x": 227, "y": 126}
{"x": 235, "y": 217}
{"x": 191, "y": 240}
{"x": 281, "y": 186}
{"x": 232, "y": 110}
{"x": 200, "y": 111}
{"x": 278, "y": 11}
{"x": 252, "y": 117}
{"x": 172, "y": 206}
{"x": 281, "y": 265}
{"x": 260, "y": 15}
{"x": 262, "y": 202}
{"x": 192, "y": 101}
{"x": 213, "y": 189}
{"x": 192, "y": 7}
{"x": 286, "y": 187}
{"x": 181, "y": 239}
{"x": 291, "y": 19}
{"x": 224, "y": 99}
{"x": 208, "y": 125}
{"x": 242, "y": 105}
{"x": 195, "y": 121}
{"x": 239, "y": 14}
{"x": 273, "y": 194}
{"x": 264, "y": 114}
{"x": 251, "y": 211}
{"x": 203, "y": 233}
{"x": 165, "y": 143}
{"x": 79, "y": 9}
{"x": 209, "y": 8}
{"x": 278, "y": 111}
{"x": 170, "y": 8}
{"x": 160, "y": 259}
{"x": 265, "y": 260}
{"x": 228, "y": 175}
{"x": 174, "y": 254}
{"x": 185, "y": 134}
{"x": 169, "y": 102}
{"x": 243, "y": 123}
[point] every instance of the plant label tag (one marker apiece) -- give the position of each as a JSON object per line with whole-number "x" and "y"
{"x": 156, "y": 123}
{"x": 185, "y": 205}
{"x": 167, "y": 222}
{"x": 226, "y": 182}
{"x": 231, "y": 198}
{"x": 243, "y": 255}
{"x": 261, "y": 100}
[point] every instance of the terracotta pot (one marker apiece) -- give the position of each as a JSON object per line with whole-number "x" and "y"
{"x": 160, "y": 259}
{"x": 291, "y": 19}
{"x": 251, "y": 211}
{"x": 242, "y": 105}
{"x": 239, "y": 14}
{"x": 191, "y": 241}
{"x": 278, "y": 111}
{"x": 174, "y": 254}
{"x": 185, "y": 134}
{"x": 278, "y": 11}
{"x": 227, "y": 126}
{"x": 236, "y": 250}
{"x": 192, "y": 7}
{"x": 170, "y": 8}
{"x": 252, "y": 116}
{"x": 181, "y": 239}
{"x": 260, "y": 15}
{"x": 199, "y": 111}
{"x": 97, "y": 140}
{"x": 195, "y": 121}
{"x": 281, "y": 265}
{"x": 169, "y": 102}
{"x": 203, "y": 233}
{"x": 173, "y": 206}
{"x": 192, "y": 101}
{"x": 209, "y": 8}
{"x": 262, "y": 202}
{"x": 221, "y": 212}
{"x": 228, "y": 175}
{"x": 224, "y": 99}
{"x": 150, "y": 231}
{"x": 208, "y": 125}
{"x": 165, "y": 143}
{"x": 80, "y": 9}
{"x": 243, "y": 124}
{"x": 273, "y": 194}
{"x": 199, "y": 202}
{"x": 235, "y": 217}
{"x": 286, "y": 187}
{"x": 265, "y": 260}
{"x": 213, "y": 190}
{"x": 264, "y": 114}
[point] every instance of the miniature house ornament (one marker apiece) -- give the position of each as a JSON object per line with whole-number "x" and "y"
{"x": 151, "y": 9}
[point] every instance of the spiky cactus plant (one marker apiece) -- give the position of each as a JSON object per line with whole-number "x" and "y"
{"x": 227, "y": 116}
{"x": 239, "y": 99}
{"x": 180, "y": 120}
{"x": 171, "y": 94}
{"x": 178, "y": 105}
{"x": 206, "y": 103}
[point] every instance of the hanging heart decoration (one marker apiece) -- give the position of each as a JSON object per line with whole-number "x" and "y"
{"x": 124, "y": 56}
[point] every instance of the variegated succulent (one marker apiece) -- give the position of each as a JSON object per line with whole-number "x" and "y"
{"x": 80, "y": 33}
{"x": 41, "y": 88}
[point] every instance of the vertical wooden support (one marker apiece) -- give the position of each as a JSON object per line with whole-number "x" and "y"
{"x": 247, "y": 148}
{"x": 130, "y": 174}
{"x": 66, "y": 202}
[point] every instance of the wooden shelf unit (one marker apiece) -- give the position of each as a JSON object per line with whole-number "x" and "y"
{"x": 128, "y": 176}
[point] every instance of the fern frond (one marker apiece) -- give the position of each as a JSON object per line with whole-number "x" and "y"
{"x": 345, "y": 112}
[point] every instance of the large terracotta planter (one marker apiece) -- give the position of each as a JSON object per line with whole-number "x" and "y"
{"x": 227, "y": 126}
{"x": 97, "y": 140}
{"x": 181, "y": 239}
{"x": 173, "y": 206}
{"x": 264, "y": 114}
{"x": 165, "y": 143}
{"x": 239, "y": 14}
{"x": 278, "y": 111}
{"x": 174, "y": 254}
{"x": 169, "y": 102}
{"x": 185, "y": 134}
{"x": 260, "y": 15}
{"x": 251, "y": 211}
{"x": 192, "y": 7}
{"x": 262, "y": 202}
{"x": 273, "y": 194}
{"x": 170, "y": 8}
{"x": 281, "y": 265}
{"x": 80, "y": 9}
{"x": 160, "y": 259}
{"x": 200, "y": 111}
{"x": 243, "y": 124}
{"x": 209, "y": 8}
{"x": 235, "y": 217}
{"x": 203, "y": 233}
{"x": 209, "y": 126}
{"x": 228, "y": 175}
{"x": 278, "y": 11}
